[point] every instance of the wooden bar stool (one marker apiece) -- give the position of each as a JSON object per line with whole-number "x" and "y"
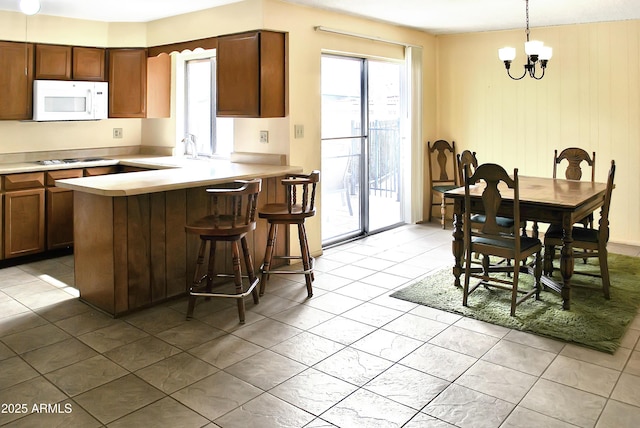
{"x": 234, "y": 215}
{"x": 291, "y": 212}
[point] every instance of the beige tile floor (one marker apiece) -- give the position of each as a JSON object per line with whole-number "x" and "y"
{"x": 349, "y": 357}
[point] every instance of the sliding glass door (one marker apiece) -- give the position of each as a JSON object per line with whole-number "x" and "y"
{"x": 361, "y": 147}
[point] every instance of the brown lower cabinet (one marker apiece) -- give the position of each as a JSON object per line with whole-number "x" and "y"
{"x": 35, "y": 215}
{"x": 23, "y": 225}
{"x": 59, "y": 204}
{"x": 23, "y": 222}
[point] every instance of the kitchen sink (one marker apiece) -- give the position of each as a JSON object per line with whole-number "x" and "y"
{"x": 68, "y": 161}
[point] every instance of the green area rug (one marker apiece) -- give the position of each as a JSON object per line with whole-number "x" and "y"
{"x": 592, "y": 321}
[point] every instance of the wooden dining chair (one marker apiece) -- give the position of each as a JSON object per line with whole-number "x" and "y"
{"x": 490, "y": 240}
{"x": 594, "y": 241}
{"x": 233, "y": 215}
{"x": 442, "y": 174}
{"x": 506, "y": 224}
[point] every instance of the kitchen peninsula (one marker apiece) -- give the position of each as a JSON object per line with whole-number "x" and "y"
{"x": 131, "y": 250}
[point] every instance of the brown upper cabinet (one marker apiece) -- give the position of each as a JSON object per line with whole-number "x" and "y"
{"x": 16, "y": 80}
{"x": 88, "y": 64}
{"x": 127, "y": 82}
{"x": 139, "y": 86}
{"x": 59, "y": 62}
{"x": 53, "y": 62}
{"x": 251, "y": 74}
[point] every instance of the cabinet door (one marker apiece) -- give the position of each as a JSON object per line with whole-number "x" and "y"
{"x": 127, "y": 82}
{"x": 53, "y": 62}
{"x": 59, "y": 217}
{"x": 16, "y": 80}
{"x": 23, "y": 222}
{"x": 251, "y": 75}
{"x": 88, "y": 64}
{"x": 238, "y": 74}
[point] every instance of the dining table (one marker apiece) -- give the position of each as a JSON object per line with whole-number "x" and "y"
{"x": 542, "y": 200}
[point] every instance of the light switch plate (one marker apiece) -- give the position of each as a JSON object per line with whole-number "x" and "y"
{"x": 298, "y": 131}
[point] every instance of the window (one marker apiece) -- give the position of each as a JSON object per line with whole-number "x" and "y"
{"x": 213, "y": 135}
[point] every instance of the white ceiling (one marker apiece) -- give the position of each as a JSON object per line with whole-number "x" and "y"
{"x": 433, "y": 16}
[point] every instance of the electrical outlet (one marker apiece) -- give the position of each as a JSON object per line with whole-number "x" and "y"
{"x": 117, "y": 132}
{"x": 264, "y": 136}
{"x": 298, "y": 131}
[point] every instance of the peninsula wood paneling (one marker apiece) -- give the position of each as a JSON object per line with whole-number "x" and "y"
{"x": 135, "y": 253}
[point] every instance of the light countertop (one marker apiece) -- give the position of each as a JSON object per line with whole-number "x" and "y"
{"x": 170, "y": 173}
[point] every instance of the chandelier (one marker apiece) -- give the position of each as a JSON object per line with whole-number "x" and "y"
{"x": 536, "y": 52}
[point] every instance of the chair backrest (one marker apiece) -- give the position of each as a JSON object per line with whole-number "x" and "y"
{"x": 466, "y": 158}
{"x": 575, "y": 156}
{"x": 304, "y": 184}
{"x": 492, "y": 175}
{"x": 445, "y": 157}
{"x": 604, "y": 212}
{"x": 234, "y": 204}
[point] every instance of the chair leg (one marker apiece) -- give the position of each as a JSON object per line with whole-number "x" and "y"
{"x": 443, "y": 211}
{"x": 604, "y": 271}
{"x": 249, "y": 266}
{"x": 304, "y": 252}
{"x": 429, "y": 214}
{"x": 549, "y": 254}
{"x": 237, "y": 279}
{"x": 196, "y": 278}
{"x": 514, "y": 289}
{"x": 467, "y": 271}
{"x": 538, "y": 274}
{"x": 268, "y": 255}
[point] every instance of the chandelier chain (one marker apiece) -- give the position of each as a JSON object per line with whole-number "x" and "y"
{"x": 527, "y": 12}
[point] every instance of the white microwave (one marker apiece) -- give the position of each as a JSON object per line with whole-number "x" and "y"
{"x": 69, "y": 100}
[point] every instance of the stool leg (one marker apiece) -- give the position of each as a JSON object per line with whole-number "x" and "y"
{"x": 268, "y": 255}
{"x": 249, "y": 266}
{"x": 211, "y": 267}
{"x": 306, "y": 243}
{"x": 237, "y": 279}
{"x": 304, "y": 251}
{"x": 196, "y": 278}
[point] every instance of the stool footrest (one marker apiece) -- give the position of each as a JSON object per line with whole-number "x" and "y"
{"x": 230, "y": 295}
{"x": 298, "y": 271}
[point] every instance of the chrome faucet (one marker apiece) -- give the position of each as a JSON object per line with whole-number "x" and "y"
{"x": 190, "y": 147}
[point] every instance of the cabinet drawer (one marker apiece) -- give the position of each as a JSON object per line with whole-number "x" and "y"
{"x": 100, "y": 170}
{"x": 52, "y": 176}
{"x": 25, "y": 180}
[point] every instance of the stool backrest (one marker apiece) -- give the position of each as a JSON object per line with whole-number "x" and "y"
{"x": 304, "y": 184}
{"x": 235, "y": 203}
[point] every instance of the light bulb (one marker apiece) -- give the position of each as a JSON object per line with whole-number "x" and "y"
{"x": 546, "y": 53}
{"x": 507, "y": 54}
{"x": 533, "y": 47}
{"x": 30, "y": 7}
